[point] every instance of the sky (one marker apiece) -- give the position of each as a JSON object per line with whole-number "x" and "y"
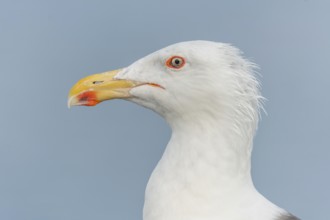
{"x": 94, "y": 163}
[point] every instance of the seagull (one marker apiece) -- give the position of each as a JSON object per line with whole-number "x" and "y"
{"x": 209, "y": 95}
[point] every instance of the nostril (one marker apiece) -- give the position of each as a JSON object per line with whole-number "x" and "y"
{"x": 97, "y": 82}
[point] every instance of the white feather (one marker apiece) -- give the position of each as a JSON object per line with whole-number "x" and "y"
{"x": 212, "y": 105}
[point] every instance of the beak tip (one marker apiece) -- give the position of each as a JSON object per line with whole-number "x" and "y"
{"x": 96, "y": 88}
{"x": 70, "y": 102}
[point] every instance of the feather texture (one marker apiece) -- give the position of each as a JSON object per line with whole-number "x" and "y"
{"x": 213, "y": 105}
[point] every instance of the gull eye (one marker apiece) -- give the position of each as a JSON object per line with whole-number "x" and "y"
{"x": 175, "y": 62}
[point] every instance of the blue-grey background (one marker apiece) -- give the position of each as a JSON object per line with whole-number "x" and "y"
{"x": 94, "y": 163}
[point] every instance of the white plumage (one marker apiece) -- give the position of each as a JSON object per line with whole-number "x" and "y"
{"x": 212, "y": 104}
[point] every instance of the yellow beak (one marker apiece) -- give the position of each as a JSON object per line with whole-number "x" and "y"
{"x": 96, "y": 88}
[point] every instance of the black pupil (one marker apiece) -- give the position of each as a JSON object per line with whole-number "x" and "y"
{"x": 177, "y": 61}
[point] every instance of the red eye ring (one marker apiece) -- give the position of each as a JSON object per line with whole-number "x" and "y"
{"x": 175, "y": 62}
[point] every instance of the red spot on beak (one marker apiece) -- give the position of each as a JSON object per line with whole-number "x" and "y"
{"x": 88, "y": 98}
